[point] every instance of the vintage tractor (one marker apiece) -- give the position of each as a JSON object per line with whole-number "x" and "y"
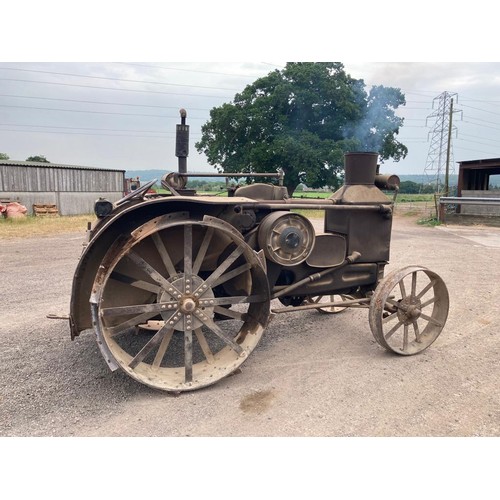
{"x": 179, "y": 288}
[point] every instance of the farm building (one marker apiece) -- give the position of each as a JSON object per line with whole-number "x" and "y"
{"x": 479, "y": 179}
{"x": 73, "y": 189}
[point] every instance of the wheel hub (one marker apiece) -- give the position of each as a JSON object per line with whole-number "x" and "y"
{"x": 187, "y": 305}
{"x": 184, "y": 300}
{"x": 409, "y": 310}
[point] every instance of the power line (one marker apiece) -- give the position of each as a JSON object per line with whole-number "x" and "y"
{"x": 479, "y": 109}
{"x": 112, "y": 88}
{"x": 474, "y": 150}
{"x": 481, "y": 125}
{"x": 99, "y": 102}
{"x": 478, "y": 137}
{"x": 84, "y": 133}
{"x": 190, "y": 70}
{"x": 97, "y": 112}
{"x": 111, "y": 78}
{"x": 477, "y": 142}
{"x": 91, "y": 128}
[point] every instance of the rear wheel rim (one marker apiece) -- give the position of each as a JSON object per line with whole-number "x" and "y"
{"x": 158, "y": 309}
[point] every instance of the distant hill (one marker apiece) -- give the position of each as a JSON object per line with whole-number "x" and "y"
{"x": 146, "y": 175}
{"x": 149, "y": 175}
{"x": 423, "y": 179}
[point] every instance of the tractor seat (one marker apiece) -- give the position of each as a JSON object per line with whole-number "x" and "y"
{"x": 260, "y": 191}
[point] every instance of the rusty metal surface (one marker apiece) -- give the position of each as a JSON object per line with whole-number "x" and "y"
{"x": 408, "y": 310}
{"x": 187, "y": 284}
{"x": 180, "y": 285}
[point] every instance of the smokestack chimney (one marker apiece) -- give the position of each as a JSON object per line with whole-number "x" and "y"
{"x": 182, "y": 142}
{"x": 359, "y": 181}
{"x": 360, "y": 168}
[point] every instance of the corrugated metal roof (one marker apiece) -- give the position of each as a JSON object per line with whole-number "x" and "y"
{"x": 54, "y": 165}
{"x": 482, "y": 160}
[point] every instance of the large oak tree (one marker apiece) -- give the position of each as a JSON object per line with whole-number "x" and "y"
{"x": 302, "y": 120}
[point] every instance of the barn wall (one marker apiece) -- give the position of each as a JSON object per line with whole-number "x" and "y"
{"x": 74, "y": 190}
{"x": 67, "y": 203}
{"x": 43, "y": 179}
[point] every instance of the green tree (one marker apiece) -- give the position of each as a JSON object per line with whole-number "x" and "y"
{"x": 409, "y": 187}
{"x": 39, "y": 158}
{"x": 4, "y": 156}
{"x": 302, "y": 120}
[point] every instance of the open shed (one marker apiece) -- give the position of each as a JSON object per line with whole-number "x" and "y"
{"x": 474, "y": 181}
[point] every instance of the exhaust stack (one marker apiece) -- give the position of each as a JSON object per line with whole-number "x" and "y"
{"x": 182, "y": 142}
{"x": 360, "y": 181}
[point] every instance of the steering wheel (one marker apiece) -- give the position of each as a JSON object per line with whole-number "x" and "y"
{"x": 137, "y": 193}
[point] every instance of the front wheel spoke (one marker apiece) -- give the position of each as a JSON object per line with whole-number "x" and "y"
{"x": 394, "y": 303}
{"x": 417, "y": 332}
{"x": 426, "y": 288}
{"x": 389, "y": 318}
{"x": 149, "y": 346}
{"x": 232, "y": 274}
{"x": 391, "y": 332}
{"x": 188, "y": 356}
{"x": 428, "y": 303}
{"x": 204, "y": 346}
{"x": 209, "y": 323}
{"x": 414, "y": 284}
{"x": 225, "y": 265}
{"x": 402, "y": 289}
{"x": 405, "y": 338}
{"x": 431, "y": 320}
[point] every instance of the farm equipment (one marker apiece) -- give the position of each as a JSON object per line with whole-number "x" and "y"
{"x": 179, "y": 288}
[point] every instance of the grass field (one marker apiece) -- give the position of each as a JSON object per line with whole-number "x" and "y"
{"x": 23, "y": 227}
{"x": 44, "y": 226}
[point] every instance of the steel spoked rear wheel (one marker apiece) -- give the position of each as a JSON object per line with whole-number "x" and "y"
{"x": 180, "y": 304}
{"x": 409, "y": 310}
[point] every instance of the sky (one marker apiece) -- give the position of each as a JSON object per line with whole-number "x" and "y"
{"x": 123, "y": 114}
{"x": 121, "y": 110}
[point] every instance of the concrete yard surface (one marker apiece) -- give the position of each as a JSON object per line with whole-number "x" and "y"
{"x": 311, "y": 375}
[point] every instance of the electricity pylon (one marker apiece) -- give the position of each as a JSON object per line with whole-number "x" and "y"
{"x": 440, "y": 162}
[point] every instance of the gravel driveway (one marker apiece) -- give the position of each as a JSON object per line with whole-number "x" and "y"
{"x": 312, "y": 375}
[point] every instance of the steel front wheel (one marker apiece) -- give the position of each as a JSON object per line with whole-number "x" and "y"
{"x": 409, "y": 310}
{"x": 328, "y": 298}
{"x": 180, "y": 304}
